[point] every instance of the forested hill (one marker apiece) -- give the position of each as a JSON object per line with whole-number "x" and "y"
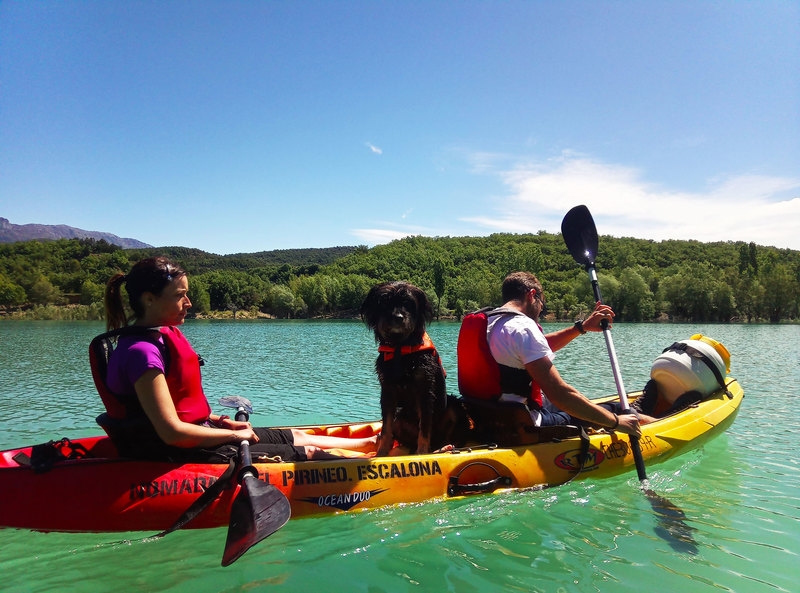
{"x": 197, "y": 261}
{"x": 643, "y": 280}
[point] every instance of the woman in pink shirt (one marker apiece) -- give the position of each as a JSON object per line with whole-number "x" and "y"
{"x": 153, "y": 392}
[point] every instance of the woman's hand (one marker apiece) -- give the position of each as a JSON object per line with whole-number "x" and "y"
{"x": 242, "y": 431}
{"x": 245, "y": 434}
{"x": 230, "y": 423}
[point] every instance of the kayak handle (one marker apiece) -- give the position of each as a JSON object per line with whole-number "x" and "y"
{"x": 454, "y": 488}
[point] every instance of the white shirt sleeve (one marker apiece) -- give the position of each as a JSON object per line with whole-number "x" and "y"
{"x": 516, "y": 340}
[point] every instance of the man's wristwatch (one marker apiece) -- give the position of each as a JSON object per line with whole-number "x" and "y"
{"x": 579, "y": 326}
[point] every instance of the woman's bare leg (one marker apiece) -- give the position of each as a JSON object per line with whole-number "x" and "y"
{"x": 302, "y": 438}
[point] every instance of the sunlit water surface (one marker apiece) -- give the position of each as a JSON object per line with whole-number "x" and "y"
{"x": 739, "y": 492}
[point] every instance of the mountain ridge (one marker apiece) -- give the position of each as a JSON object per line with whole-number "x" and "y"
{"x": 11, "y": 233}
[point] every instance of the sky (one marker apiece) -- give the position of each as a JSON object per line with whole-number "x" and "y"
{"x": 246, "y": 126}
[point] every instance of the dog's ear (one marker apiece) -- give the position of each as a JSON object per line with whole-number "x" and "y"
{"x": 424, "y": 306}
{"x": 370, "y": 309}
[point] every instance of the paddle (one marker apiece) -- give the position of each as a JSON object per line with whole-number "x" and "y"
{"x": 260, "y": 509}
{"x": 580, "y": 236}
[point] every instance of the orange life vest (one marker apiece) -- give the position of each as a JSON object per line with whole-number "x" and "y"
{"x": 389, "y": 352}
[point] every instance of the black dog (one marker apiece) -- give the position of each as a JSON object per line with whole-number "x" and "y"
{"x": 415, "y": 407}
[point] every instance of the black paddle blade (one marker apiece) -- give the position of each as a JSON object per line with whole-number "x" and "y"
{"x": 258, "y": 511}
{"x": 580, "y": 235}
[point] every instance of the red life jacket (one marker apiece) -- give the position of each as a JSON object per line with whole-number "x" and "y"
{"x": 182, "y": 373}
{"x": 183, "y": 378}
{"x": 480, "y": 376}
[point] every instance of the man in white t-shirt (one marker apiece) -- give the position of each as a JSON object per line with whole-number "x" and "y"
{"x": 525, "y": 357}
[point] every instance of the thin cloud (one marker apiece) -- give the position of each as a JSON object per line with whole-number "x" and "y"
{"x": 486, "y": 162}
{"x": 392, "y": 231}
{"x": 378, "y": 236}
{"x": 374, "y": 149}
{"x": 755, "y": 208}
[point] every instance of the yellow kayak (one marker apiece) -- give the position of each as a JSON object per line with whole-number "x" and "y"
{"x": 335, "y": 486}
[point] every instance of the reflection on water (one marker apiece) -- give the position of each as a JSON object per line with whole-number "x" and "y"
{"x": 738, "y": 492}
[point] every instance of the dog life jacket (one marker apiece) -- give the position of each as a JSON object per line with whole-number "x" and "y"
{"x": 480, "y": 376}
{"x": 182, "y": 373}
{"x": 389, "y": 352}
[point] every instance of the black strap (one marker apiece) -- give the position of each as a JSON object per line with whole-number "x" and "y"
{"x": 491, "y": 312}
{"x": 127, "y": 330}
{"x": 45, "y": 455}
{"x": 583, "y": 454}
{"x": 583, "y": 457}
{"x": 104, "y": 346}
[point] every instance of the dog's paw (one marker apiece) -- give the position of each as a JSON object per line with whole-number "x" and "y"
{"x": 384, "y": 446}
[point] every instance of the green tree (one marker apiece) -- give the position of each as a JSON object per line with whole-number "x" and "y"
{"x": 781, "y": 291}
{"x": 281, "y": 301}
{"x": 696, "y": 293}
{"x": 91, "y": 292}
{"x": 690, "y": 280}
{"x": 11, "y": 294}
{"x": 749, "y": 294}
{"x": 748, "y": 259}
{"x": 199, "y": 295}
{"x": 439, "y": 272}
{"x": 635, "y": 301}
{"x": 354, "y": 288}
{"x": 42, "y": 292}
{"x": 311, "y": 291}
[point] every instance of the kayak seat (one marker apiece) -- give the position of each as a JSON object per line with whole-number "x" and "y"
{"x": 509, "y": 424}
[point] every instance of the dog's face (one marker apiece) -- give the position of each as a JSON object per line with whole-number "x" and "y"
{"x": 397, "y": 312}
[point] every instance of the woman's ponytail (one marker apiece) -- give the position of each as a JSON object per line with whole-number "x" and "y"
{"x": 112, "y": 299}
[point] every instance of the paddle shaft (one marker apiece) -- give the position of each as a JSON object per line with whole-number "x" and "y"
{"x": 623, "y": 397}
{"x": 243, "y": 409}
{"x": 612, "y": 353}
{"x": 245, "y": 459}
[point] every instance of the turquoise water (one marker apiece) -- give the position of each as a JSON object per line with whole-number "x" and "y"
{"x": 739, "y": 492}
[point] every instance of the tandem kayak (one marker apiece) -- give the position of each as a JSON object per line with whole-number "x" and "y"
{"x": 101, "y": 492}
